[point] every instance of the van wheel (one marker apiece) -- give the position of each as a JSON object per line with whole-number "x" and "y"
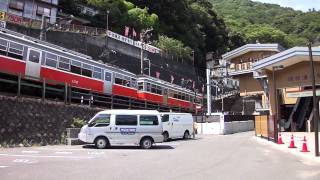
{"x": 146, "y": 143}
{"x": 101, "y": 142}
{"x": 186, "y": 135}
{"x": 165, "y": 136}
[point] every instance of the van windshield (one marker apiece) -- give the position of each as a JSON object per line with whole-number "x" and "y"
{"x": 100, "y": 120}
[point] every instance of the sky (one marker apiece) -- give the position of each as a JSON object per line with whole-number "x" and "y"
{"x": 303, "y": 5}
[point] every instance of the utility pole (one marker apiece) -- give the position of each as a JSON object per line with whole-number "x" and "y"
{"x": 107, "y": 38}
{"x": 142, "y": 38}
{"x": 42, "y": 28}
{"x": 315, "y": 103}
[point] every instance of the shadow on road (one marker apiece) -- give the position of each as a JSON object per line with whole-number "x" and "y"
{"x": 156, "y": 147}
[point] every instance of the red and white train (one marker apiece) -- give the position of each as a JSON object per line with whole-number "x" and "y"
{"x": 36, "y": 59}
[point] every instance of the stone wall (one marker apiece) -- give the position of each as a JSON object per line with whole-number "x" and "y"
{"x": 26, "y": 121}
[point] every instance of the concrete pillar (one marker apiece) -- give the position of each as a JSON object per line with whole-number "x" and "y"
{"x": 208, "y": 93}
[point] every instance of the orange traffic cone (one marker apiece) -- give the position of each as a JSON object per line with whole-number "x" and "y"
{"x": 292, "y": 142}
{"x": 304, "y": 145}
{"x": 280, "y": 139}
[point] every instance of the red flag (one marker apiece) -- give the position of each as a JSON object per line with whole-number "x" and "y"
{"x": 172, "y": 79}
{"x": 134, "y": 34}
{"x": 126, "y": 31}
{"x": 157, "y": 74}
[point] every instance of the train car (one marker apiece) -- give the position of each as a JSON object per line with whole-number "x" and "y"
{"x": 36, "y": 60}
{"x": 159, "y": 91}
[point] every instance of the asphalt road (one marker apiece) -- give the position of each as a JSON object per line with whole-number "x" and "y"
{"x": 234, "y": 157}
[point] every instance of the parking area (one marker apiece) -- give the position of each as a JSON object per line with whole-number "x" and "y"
{"x": 236, "y": 156}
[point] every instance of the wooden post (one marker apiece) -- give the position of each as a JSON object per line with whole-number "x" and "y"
{"x": 43, "y": 89}
{"x": 19, "y": 85}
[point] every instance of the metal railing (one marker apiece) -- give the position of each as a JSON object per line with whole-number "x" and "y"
{"x": 21, "y": 85}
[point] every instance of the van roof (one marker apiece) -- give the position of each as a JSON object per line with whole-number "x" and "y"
{"x": 129, "y": 112}
{"x": 175, "y": 113}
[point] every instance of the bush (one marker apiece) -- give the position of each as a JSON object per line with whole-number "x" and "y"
{"x": 77, "y": 123}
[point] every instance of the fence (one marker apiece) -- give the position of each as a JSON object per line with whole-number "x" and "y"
{"x": 264, "y": 127}
{"x": 18, "y": 85}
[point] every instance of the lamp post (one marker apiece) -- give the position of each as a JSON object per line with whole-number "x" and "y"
{"x": 276, "y": 130}
{"x": 149, "y": 68}
{"x": 315, "y": 103}
{"x": 107, "y": 29}
{"x": 142, "y": 36}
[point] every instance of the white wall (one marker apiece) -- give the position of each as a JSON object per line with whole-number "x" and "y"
{"x": 225, "y": 128}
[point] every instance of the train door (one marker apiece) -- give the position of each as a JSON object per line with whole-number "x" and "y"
{"x": 108, "y": 82}
{"x": 165, "y": 96}
{"x": 33, "y": 63}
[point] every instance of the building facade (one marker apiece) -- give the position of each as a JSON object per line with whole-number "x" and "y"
{"x": 252, "y": 85}
{"x": 30, "y": 9}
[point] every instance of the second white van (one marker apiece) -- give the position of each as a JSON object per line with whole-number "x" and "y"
{"x": 123, "y": 127}
{"x": 177, "y": 125}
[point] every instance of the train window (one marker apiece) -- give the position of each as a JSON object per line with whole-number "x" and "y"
{"x": 3, "y": 47}
{"x": 175, "y": 95}
{"x": 87, "y": 70}
{"x": 97, "y": 75}
{"x": 140, "y": 86}
{"x": 51, "y": 60}
{"x": 107, "y": 76}
{"x": 34, "y": 56}
{"x": 153, "y": 88}
{"x": 159, "y": 90}
{"x": 75, "y": 63}
{"x": 183, "y": 96}
{"x": 15, "y": 50}
{"x": 149, "y": 87}
{"x": 133, "y": 82}
{"x": 118, "y": 80}
{"x": 86, "y": 66}
{"x": 64, "y": 63}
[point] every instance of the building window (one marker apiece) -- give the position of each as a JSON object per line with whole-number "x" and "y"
{"x": 43, "y": 11}
{"x": 16, "y": 4}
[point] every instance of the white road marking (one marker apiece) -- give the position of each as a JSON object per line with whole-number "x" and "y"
{"x": 27, "y": 161}
{"x": 42, "y": 156}
{"x": 4, "y": 166}
{"x": 95, "y": 153}
{"x": 30, "y": 152}
{"x": 63, "y": 152}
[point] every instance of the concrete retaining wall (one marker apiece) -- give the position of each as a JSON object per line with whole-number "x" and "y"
{"x": 225, "y": 127}
{"x": 25, "y": 120}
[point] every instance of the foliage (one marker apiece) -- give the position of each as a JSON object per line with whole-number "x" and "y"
{"x": 287, "y": 26}
{"x": 78, "y": 123}
{"x": 173, "y": 46}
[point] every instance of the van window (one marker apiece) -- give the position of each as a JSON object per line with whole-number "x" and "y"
{"x": 100, "y": 120}
{"x": 126, "y": 120}
{"x": 165, "y": 118}
{"x": 148, "y": 120}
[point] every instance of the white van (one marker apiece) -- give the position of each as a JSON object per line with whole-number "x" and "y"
{"x": 177, "y": 125}
{"x": 123, "y": 127}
